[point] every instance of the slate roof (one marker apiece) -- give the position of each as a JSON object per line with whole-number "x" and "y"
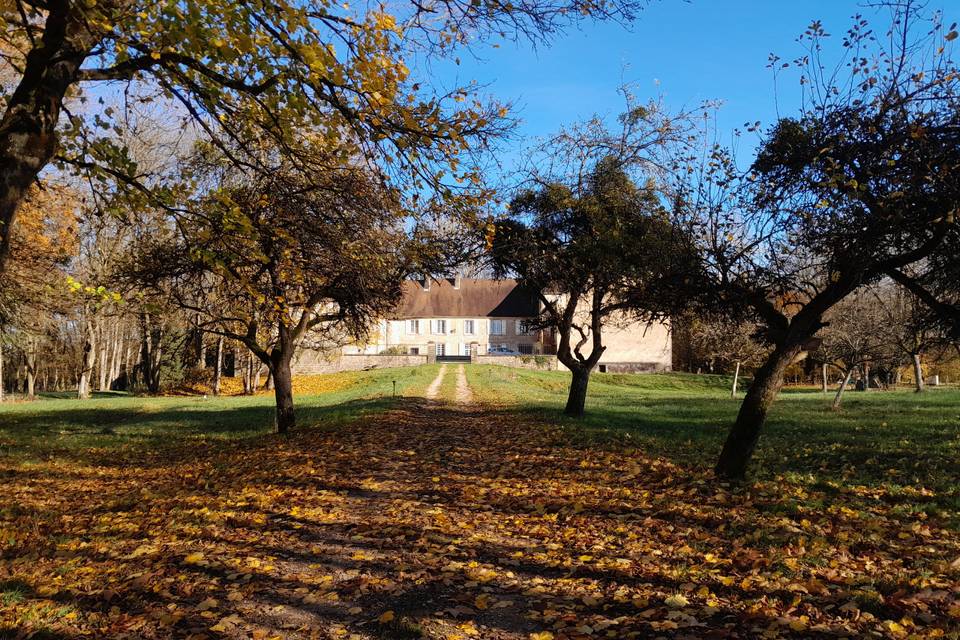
{"x": 474, "y": 299}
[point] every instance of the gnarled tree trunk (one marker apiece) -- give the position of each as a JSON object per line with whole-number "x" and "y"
{"x": 280, "y": 359}
{"x": 577, "y": 398}
{"x": 28, "y": 139}
{"x": 742, "y": 439}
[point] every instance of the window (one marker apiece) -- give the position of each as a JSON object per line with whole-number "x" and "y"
{"x": 468, "y": 327}
{"x": 441, "y": 349}
{"x": 497, "y": 327}
{"x": 525, "y": 349}
{"x": 439, "y": 327}
{"x": 413, "y": 326}
{"x": 466, "y": 350}
{"x": 523, "y": 328}
{"x": 414, "y": 351}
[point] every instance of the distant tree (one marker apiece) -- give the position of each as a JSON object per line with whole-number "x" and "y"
{"x": 595, "y": 253}
{"x": 856, "y": 334}
{"x": 274, "y": 260}
{"x": 719, "y": 342}
{"x": 912, "y": 329}
{"x": 32, "y": 290}
{"x": 862, "y": 182}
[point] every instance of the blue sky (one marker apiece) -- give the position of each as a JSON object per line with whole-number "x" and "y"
{"x": 686, "y": 50}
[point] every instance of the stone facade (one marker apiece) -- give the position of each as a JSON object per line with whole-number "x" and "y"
{"x": 458, "y": 317}
{"x": 634, "y": 347}
{"x": 485, "y": 320}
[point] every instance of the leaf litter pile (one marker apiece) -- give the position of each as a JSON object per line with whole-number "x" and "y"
{"x": 433, "y": 522}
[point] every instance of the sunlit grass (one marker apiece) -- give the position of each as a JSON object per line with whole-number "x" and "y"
{"x": 57, "y": 421}
{"x": 898, "y": 437}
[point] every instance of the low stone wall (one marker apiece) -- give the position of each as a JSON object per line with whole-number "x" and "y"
{"x": 313, "y": 362}
{"x": 633, "y": 367}
{"x": 544, "y": 363}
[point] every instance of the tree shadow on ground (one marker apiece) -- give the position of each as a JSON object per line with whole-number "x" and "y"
{"x": 450, "y": 522}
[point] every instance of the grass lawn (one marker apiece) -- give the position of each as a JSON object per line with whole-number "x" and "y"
{"x": 398, "y": 518}
{"x": 891, "y": 438}
{"x": 59, "y": 424}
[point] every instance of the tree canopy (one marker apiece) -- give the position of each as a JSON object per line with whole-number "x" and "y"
{"x": 860, "y": 183}
{"x": 596, "y": 253}
{"x": 299, "y": 73}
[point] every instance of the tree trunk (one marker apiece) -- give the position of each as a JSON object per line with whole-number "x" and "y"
{"x": 866, "y": 376}
{"x": 128, "y": 365}
{"x": 31, "y": 363}
{"x": 283, "y": 392}
{"x": 742, "y": 439}
{"x": 247, "y": 373}
{"x": 151, "y": 342}
{"x": 117, "y": 355}
{"x": 577, "y": 399}
{"x": 917, "y": 373}
{"x": 28, "y": 139}
{"x": 199, "y": 347}
{"x": 218, "y": 367}
{"x": 1, "y": 370}
{"x": 86, "y": 366}
{"x": 823, "y": 376}
{"x": 255, "y": 386}
{"x": 103, "y": 360}
{"x": 736, "y": 378}
{"x": 843, "y": 387}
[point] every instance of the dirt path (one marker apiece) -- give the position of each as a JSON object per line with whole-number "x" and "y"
{"x": 434, "y": 389}
{"x": 464, "y": 394}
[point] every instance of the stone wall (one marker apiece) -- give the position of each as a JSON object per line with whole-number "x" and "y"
{"x": 544, "y": 363}
{"x": 312, "y": 362}
{"x": 633, "y": 367}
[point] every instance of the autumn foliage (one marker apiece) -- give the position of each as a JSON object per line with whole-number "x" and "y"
{"x": 440, "y": 522}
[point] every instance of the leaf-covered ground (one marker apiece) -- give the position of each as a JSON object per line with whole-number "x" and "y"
{"x": 443, "y": 520}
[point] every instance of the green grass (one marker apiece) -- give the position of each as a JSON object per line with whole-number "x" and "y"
{"x": 899, "y": 439}
{"x": 56, "y": 422}
{"x": 889, "y": 437}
